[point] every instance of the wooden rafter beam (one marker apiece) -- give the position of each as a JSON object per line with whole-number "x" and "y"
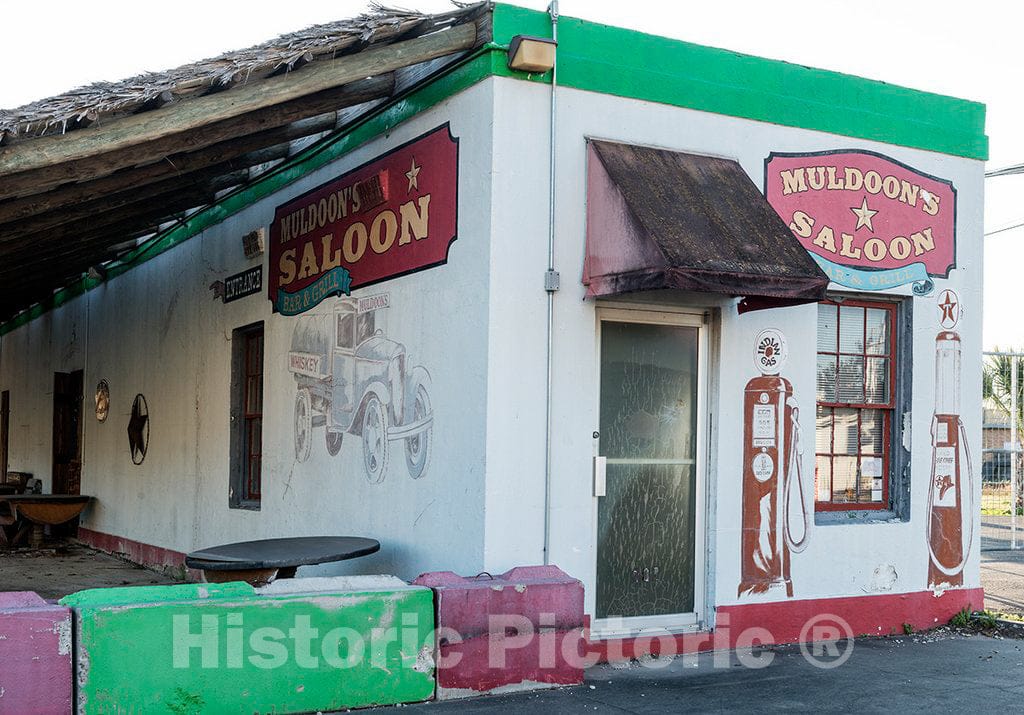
{"x": 46, "y": 162}
{"x": 113, "y": 226}
{"x": 216, "y": 177}
{"x": 221, "y": 154}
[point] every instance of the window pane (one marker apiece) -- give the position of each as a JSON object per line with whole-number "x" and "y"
{"x": 878, "y": 331}
{"x": 877, "y": 380}
{"x": 845, "y": 431}
{"x": 844, "y": 479}
{"x": 876, "y": 491}
{"x": 346, "y": 322}
{"x": 871, "y": 422}
{"x": 253, "y": 396}
{"x": 866, "y": 490}
{"x": 823, "y": 478}
{"x": 648, "y": 391}
{"x": 826, "y": 328}
{"x": 255, "y": 353}
{"x": 255, "y": 474}
{"x": 826, "y": 378}
{"x": 871, "y": 476}
{"x": 823, "y": 433}
{"x": 255, "y": 436}
{"x": 851, "y": 379}
{"x": 851, "y": 329}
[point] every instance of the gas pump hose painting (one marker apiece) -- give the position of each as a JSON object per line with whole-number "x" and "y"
{"x": 947, "y": 550}
{"x": 772, "y": 453}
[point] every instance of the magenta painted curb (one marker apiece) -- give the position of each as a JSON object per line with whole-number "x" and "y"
{"x": 35, "y": 655}
{"x": 506, "y": 632}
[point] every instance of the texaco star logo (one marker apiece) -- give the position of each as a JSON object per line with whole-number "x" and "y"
{"x": 949, "y": 309}
{"x": 138, "y": 429}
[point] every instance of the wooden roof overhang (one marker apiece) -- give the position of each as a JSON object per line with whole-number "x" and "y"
{"x": 83, "y": 182}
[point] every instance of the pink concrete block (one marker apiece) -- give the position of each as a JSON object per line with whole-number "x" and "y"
{"x": 515, "y": 631}
{"x": 35, "y": 653}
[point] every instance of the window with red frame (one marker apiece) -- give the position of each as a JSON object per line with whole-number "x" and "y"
{"x": 855, "y": 394}
{"x": 247, "y": 417}
{"x": 253, "y": 415}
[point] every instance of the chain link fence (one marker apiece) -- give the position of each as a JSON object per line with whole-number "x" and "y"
{"x": 1001, "y": 458}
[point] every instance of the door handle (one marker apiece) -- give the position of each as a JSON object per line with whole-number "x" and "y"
{"x": 600, "y": 476}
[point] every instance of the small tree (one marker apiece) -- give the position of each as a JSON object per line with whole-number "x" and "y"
{"x": 997, "y": 382}
{"x": 997, "y": 391}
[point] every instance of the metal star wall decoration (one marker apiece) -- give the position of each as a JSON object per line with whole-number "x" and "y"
{"x": 138, "y": 429}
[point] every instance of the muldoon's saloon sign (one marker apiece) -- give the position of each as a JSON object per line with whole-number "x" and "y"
{"x": 390, "y": 217}
{"x": 869, "y": 221}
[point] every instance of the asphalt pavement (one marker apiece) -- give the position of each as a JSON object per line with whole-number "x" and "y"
{"x": 938, "y": 671}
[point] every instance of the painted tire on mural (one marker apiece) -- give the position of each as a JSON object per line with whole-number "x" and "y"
{"x": 303, "y": 425}
{"x": 417, "y": 446}
{"x": 375, "y": 440}
{"x": 334, "y": 440}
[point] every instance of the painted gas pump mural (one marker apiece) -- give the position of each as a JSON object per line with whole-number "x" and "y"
{"x": 948, "y": 492}
{"x": 772, "y": 479}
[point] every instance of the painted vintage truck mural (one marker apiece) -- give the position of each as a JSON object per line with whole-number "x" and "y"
{"x": 352, "y": 379}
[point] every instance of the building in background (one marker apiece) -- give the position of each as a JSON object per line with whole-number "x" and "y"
{"x": 700, "y": 328}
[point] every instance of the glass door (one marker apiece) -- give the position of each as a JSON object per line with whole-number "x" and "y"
{"x": 650, "y": 426}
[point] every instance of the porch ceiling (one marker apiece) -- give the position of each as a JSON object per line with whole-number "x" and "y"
{"x": 90, "y": 175}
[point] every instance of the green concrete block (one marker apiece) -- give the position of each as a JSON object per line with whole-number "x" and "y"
{"x": 298, "y": 645}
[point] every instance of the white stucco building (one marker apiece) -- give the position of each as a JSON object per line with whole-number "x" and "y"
{"x": 649, "y": 440}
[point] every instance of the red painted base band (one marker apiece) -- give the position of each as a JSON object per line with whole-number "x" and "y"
{"x": 803, "y": 620}
{"x": 155, "y": 557}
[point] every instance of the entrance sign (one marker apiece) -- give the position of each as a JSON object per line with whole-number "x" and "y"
{"x": 390, "y": 217}
{"x": 869, "y": 221}
{"x": 242, "y": 284}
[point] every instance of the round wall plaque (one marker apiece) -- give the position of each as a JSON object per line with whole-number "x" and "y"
{"x": 102, "y": 400}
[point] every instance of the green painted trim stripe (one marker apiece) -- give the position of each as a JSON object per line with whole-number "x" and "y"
{"x": 625, "y": 63}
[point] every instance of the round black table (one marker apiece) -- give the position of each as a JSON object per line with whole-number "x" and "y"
{"x": 260, "y": 562}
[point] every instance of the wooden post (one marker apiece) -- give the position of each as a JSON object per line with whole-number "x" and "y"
{"x": 5, "y": 429}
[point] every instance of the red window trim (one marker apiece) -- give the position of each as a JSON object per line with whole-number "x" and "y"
{"x": 887, "y": 408}
{"x": 252, "y": 488}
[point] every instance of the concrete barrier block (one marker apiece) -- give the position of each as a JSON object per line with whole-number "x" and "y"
{"x": 516, "y": 631}
{"x": 297, "y": 645}
{"x": 35, "y": 655}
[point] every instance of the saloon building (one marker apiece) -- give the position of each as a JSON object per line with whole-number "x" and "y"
{"x": 499, "y": 288}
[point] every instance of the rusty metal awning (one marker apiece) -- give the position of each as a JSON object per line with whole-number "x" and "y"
{"x": 665, "y": 219}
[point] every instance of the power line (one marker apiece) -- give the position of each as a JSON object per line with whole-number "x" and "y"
{"x": 1005, "y": 228}
{"x": 1005, "y": 171}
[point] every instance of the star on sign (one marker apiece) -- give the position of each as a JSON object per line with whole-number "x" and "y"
{"x": 864, "y": 215}
{"x": 412, "y": 174}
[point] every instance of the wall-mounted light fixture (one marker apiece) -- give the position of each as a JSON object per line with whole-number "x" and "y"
{"x": 531, "y": 54}
{"x": 253, "y": 243}
{"x": 97, "y": 273}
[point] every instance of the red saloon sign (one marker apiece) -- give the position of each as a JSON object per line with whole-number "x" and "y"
{"x": 869, "y": 221}
{"x": 390, "y": 217}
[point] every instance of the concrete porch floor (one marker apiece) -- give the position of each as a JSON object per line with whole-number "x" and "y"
{"x": 59, "y": 570}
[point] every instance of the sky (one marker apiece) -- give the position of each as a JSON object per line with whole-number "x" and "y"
{"x": 964, "y": 49}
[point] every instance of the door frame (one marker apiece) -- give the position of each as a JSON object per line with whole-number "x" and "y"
{"x": 76, "y": 397}
{"x": 604, "y": 628}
